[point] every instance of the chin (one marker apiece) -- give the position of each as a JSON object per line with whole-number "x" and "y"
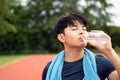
{"x": 84, "y": 44}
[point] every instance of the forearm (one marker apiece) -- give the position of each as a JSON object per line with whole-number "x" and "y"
{"x": 115, "y": 59}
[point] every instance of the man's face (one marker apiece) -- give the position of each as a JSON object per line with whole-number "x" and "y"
{"x": 73, "y": 34}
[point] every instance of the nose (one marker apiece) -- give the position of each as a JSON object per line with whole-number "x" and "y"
{"x": 81, "y": 32}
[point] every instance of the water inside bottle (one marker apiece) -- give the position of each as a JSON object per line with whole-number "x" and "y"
{"x": 98, "y": 38}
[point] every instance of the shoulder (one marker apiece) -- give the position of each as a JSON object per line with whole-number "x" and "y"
{"x": 104, "y": 66}
{"x": 45, "y": 71}
{"x": 100, "y": 59}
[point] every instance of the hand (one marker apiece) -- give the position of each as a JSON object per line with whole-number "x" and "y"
{"x": 103, "y": 48}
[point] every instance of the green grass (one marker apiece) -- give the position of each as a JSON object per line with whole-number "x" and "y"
{"x": 5, "y": 59}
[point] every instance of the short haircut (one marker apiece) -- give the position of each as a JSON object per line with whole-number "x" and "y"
{"x": 69, "y": 19}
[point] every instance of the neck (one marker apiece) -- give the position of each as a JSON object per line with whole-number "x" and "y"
{"x": 72, "y": 55}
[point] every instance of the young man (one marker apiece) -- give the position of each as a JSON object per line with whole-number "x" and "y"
{"x": 76, "y": 62}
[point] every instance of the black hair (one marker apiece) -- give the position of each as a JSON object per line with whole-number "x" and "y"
{"x": 64, "y": 21}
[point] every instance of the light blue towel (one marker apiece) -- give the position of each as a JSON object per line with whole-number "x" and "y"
{"x": 89, "y": 65}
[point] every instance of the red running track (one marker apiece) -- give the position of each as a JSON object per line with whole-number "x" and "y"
{"x": 28, "y": 68}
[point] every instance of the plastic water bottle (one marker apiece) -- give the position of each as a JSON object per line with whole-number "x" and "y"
{"x": 96, "y": 37}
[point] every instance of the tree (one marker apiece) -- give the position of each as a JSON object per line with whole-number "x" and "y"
{"x": 96, "y": 12}
{"x": 34, "y": 22}
{"x": 5, "y": 26}
{"x": 44, "y": 13}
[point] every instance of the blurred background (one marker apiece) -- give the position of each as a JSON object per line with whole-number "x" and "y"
{"x": 26, "y": 30}
{"x": 26, "y": 26}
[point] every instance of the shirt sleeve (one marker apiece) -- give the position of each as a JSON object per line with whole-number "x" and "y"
{"x": 104, "y": 66}
{"x": 45, "y": 71}
{"x": 109, "y": 67}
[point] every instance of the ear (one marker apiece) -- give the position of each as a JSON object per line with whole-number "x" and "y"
{"x": 61, "y": 37}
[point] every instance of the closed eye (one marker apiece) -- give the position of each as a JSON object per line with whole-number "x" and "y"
{"x": 84, "y": 28}
{"x": 74, "y": 28}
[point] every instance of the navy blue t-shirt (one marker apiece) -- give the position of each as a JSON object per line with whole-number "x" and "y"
{"x": 74, "y": 70}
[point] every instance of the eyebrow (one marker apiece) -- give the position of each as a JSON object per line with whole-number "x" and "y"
{"x": 83, "y": 26}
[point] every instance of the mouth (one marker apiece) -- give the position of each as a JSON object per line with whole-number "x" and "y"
{"x": 81, "y": 39}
